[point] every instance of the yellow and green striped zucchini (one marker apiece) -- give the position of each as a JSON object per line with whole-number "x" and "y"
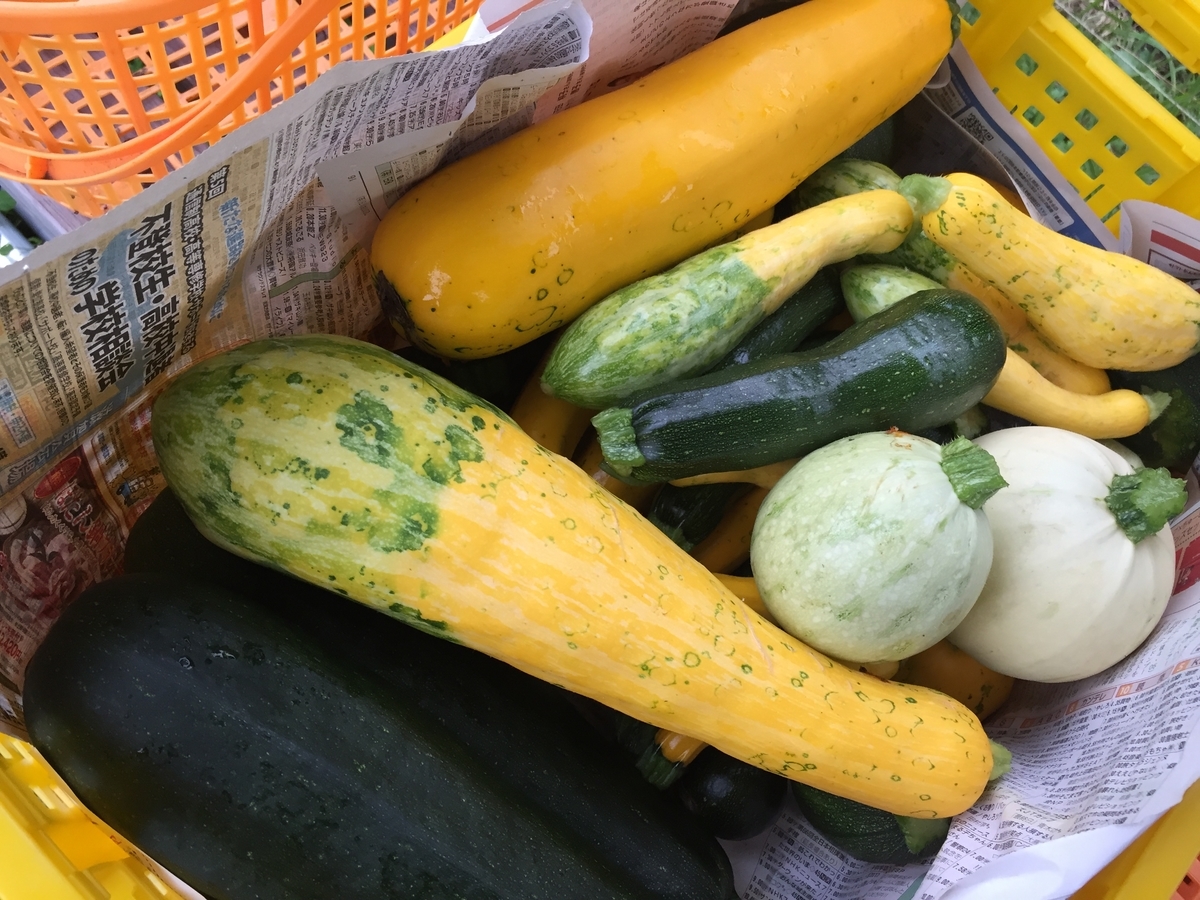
{"x": 682, "y": 322}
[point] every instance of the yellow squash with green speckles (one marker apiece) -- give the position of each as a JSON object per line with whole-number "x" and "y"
{"x": 520, "y": 238}
{"x": 354, "y": 469}
{"x": 1101, "y": 308}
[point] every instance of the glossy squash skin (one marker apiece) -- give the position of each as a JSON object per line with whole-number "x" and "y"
{"x": 520, "y": 238}
{"x": 1104, "y": 309}
{"x": 352, "y": 469}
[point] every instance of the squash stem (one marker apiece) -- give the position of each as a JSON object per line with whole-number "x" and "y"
{"x": 1158, "y": 401}
{"x": 972, "y": 472}
{"x": 1142, "y": 503}
{"x": 924, "y": 194}
{"x": 618, "y": 440}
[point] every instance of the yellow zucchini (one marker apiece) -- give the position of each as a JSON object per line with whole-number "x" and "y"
{"x": 1022, "y": 391}
{"x": 746, "y": 590}
{"x": 1104, "y": 309}
{"x": 554, "y": 423}
{"x": 957, "y": 674}
{"x": 1055, "y": 367}
{"x": 354, "y": 469}
{"x": 518, "y": 239}
{"x": 761, "y": 476}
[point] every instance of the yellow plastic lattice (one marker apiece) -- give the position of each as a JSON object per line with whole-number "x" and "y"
{"x": 1110, "y": 138}
{"x": 91, "y": 117}
{"x": 52, "y": 849}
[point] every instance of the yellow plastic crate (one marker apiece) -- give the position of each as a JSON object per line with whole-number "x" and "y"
{"x": 53, "y": 849}
{"x": 1109, "y": 138}
{"x": 1174, "y": 23}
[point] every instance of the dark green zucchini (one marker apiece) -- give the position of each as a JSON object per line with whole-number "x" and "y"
{"x": 1173, "y": 439}
{"x": 515, "y": 740}
{"x": 798, "y": 317}
{"x": 915, "y": 365}
{"x": 687, "y": 515}
{"x": 869, "y": 834}
{"x": 734, "y": 799}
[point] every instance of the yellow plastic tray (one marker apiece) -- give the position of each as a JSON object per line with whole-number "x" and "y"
{"x": 52, "y": 848}
{"x": 1108, "y": 137}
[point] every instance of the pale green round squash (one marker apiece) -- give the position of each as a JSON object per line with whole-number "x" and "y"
{"x": 873, "y": 548}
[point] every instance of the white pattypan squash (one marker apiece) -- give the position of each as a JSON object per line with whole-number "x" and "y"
{"x": 873, "y": 548}
{"x": 1072, "y": 590}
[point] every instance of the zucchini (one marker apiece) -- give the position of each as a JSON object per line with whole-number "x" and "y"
{"x": 681, "y": 322}
{"x": 734, "y": 800}
{"x": 873, "y": 287}
{"x": 525, "y": 732}
{"x": 687, "y": 515}
{"x": 918, "y": 364}
{"x": 257, "y": 764}
{"x": 786, "y": 328}
{"x": 870, "y": 834}
{"x": 352, "y": 469}
{"x": 843, "y": 177}
{"x": 1173, "y": 439}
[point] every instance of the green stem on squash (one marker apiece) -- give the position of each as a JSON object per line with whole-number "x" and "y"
{"x": 1143, "y": 502}
{"x": 919, "y": 833}
{"x": 618, "y": 440}
{"x": 1158, "y": 401}
{"x": 924, "y": 194}
{"x": 972, "y": 472}
{"x": 1001, "y": 760}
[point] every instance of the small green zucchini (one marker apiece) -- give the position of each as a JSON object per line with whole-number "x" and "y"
{"x": 873, "y": 287}
{"x": 681, "y": 322}
{"x": 870, "y": 834}
{"x": 687, "y": 515}
{"x": 840, "y": 178}
{"x": 786, "y": 328}
{"x": 734, "y": 799}
{"x": 918, "y": 364}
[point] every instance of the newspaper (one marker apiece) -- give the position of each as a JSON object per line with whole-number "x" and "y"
{"x": 267, "y": 233}
{"x": 1166, "y": 239}
{"x": 248, "y": 242}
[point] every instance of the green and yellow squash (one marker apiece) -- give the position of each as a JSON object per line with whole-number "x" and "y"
{"x": 356, "y": 470}
{"x": 1101, "y": 308}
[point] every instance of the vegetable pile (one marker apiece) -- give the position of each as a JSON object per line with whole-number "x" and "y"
{"x": 752, "y": 514}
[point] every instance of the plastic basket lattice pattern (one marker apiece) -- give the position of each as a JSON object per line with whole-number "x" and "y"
{"x": 1108, "y": 136}
{"x": 91, "y": 117}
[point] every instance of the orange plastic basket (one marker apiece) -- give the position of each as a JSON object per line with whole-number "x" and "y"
{"x": 99, "y": 98}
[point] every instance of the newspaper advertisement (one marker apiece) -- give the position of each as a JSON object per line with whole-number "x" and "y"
{"x": 244, "y": 243}
{"x": 267, "y": 233}
{"x": 1162, "y": 237}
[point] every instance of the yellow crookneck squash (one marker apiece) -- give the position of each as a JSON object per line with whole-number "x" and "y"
{"x": 522, "y": 237}
{"x": 1101, "y": 308}
{"x": 357, "y": 470}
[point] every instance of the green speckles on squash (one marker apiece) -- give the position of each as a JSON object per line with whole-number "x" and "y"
{"x": 294, "y": 378}
{"x": 691, "y": 660}
{"x": 661, "y": 328}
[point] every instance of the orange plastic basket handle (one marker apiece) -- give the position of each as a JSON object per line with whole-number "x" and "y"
{"x": 143, "y": 151}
